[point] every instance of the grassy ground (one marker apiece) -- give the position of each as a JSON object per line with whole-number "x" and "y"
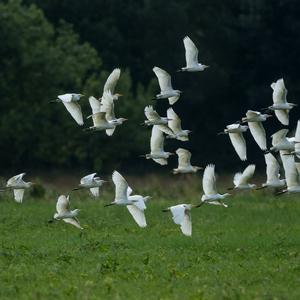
{"x": 250, "y": 250}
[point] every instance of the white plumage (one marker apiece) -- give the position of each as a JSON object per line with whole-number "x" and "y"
{"x": 184, "y": 162}
{"x": 174, "y": 123}
{"x": 153, "y": 118}
{"x": 281, "y": 142}
{"x": 241, "y": 180}
{"x": 18, "y": 185}
{"x": 111, "y": 82}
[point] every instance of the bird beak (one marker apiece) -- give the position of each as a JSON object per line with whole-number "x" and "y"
{"x": 109, "y": 204}
{"x": 165, "y": 210}
{"x": 198, "y": 205}
{"x": 269, "y": 116}
{"x": 142, "y": 155}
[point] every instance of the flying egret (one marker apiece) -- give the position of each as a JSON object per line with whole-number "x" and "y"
{"x": 166, "y": 89}
{"x": 191, "y": 57}
{"x": 291, "y": 173}
{"x": 175, "y": 124}
{"x": 111, "y": 83}
{"x": 18, "y": 185}
{"x": 273, "y": 175}
{"x": 153, "y": 118}
{"x": 241, "y": 180}
{"x": 255, "y": 119}
{"x": 281, "y": 142}
{"x": 70, "y": 101}
{"x": 280, "y": 105}
{"x": 184, "y": 162}
{"x": 181, "y": 215}
{"x": 157, "y": 147}
{"x": 64, "y": 213}
{"x": 123, "y": 197}
{"x": 297, "y": 141}
{"x": 91, "y": 182}
{"x": 235, "y": 132}
{"x": 211, "y": 196}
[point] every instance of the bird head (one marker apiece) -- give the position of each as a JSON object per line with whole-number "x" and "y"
{"x": 170, "y": 153}
{"x": 226, "y": 195}
{"x": 205, "y": 66}
{"x": 197, "y": 168}
{"x": 117, "y": 95}
{"x": 75, "y": 212}
{"x": 146, "y": 198}
{"x": 121, "y": 120}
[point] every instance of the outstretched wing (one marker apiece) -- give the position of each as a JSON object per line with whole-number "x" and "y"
{"x": 247, "y": 174}
{"x": 121, "y": 186}
{"x": 112, "y": 81}
{"x": 88, "y": 178}
{"x": 174, "y": 121}
{"x": 272, "y": 167}
{"x": 18, "y": 195}
{"x": 62, "y": 204}
{"x": 209, "y": 180}
{"x": 258, "y": 132}
{"x": 15, "y": 180}
{"x": 191, "y": 52}
{"x": 164, "y": 79}
{"x": 282, "y": 116}
{"x": 278, "y": 136}
{"x": 279, "y": 92}
{"x": 157, "y": 140}
{"x": 95, "y": 105}
{"x": 75, "y": 111}
{"x": 184, "y": 158}
{"x": 239, "y": 144}
{"x": 290, "y": 170}
{"x": 151, "y": 114}
{"x": 73, "y": 222}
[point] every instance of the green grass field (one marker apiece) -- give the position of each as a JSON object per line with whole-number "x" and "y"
{"x": 250, "y": 250}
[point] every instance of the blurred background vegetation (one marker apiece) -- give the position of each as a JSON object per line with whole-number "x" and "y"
{"x": 54, "y": 47}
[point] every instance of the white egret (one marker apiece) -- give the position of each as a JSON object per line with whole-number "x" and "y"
{"x": 280, "y": 105}
{"x": 235, "y": 132}
{"x": 241, "y": 180}
{"x": 91, "y": 182}
{"x": 181, "y": 215}
{"x": 166, "y": 89}
{"x": 70, "y": 101}
{"x": 153, "y": 118}
{"x": 184, "y": 162}
{"x": 111, "y": 83}
{"x": 64, "y": 213}
{"x": 281, "y": 142}
{"x": 175, "y": 124}
{"x": 157, "y": 147}
{"x": 273, "y": 175}
{"x": 297, "y": 141}
{"x": 123, "y": 197}
{"x": 255, "y": 119}
{"x": 18, "y": 185}
{"x": 211, "y": 196}
{"x": 291, "y": 173}
{"x": 191, "y": 57}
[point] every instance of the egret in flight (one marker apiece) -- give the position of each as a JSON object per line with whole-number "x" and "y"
{"x": 166, "y": 89}
{"x": 64, "y": 213}
{"x": 91, "y": 182}
{"x": 18, "y": 185}
{"x": 235, "y": 132}
{"x": 123, "y": 197}
{"x": 191, "y": 57}
{"x": 241, "y": 180}
{"x": 181, "y": 215}
{"x": 297, "y": 140}
{"x": 273, "y": 175}
{"x": 184, "y": 162}
{"x": 174, "y": 124}
{"x": 70, "y": 101}
{"x": 211, "y": 196}
{"x": 255, "y": 119}
{"x": 157, "y": 152}
{"x": 280, "y": 105}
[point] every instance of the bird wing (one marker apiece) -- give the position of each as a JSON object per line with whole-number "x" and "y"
{"x": 73, "y": 222}
{"x": 15, "y": 179}
{"x": 209, "y": 180}
{"x": 173, "y": 99}
{"x": 239, "y": 144}
{"x": 75, "y": 111}
{"x": 62, "y": 204}
{"x": 151, "y": 114}
{"x": 291, "y": 173}
{"x": 121, "y": 186}
{"x": 247, "y": 174}
{"x": 237, "y": 178}
{"x": 186, "y": 225}
{"x": 252, "y": 113}
{"x": 174, "y": 121}
{"x": 99, "y": 119}
{"x": 272, "y": 167}
{"x": 108, "y": 106}
{"x": 65, "y": 97}
{"x": 184, "y": 158}
{"x": 161, "y": 161}
{"x": 233, "y": 126}
{"x": 282, "y": 116}
{"x": 258, "y": 132}
{"x": 112, "y": 81}
{"x": 279, "y": 92}
{"x": 157, "y": 140}
{"x": 165, "y": 129}
{"x": 137, "y": 214}
{"x": 164, "y": 79}
{"x": 18, "y": 195}
{"x": 110, "y": 131}
{"x": 129, "y": 191}
{"x": 95, "y": 191}
{"x": 95, "y": 104}
{"x": 177, "y": 213}
{"x": 88, "y": 178}
{"x": 191, "y": 52}
{"x": 297, "y": 134}
{"x": 278, "y": 136}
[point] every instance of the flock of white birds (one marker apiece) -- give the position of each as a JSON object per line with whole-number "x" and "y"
{"x": 104, "y": 119}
